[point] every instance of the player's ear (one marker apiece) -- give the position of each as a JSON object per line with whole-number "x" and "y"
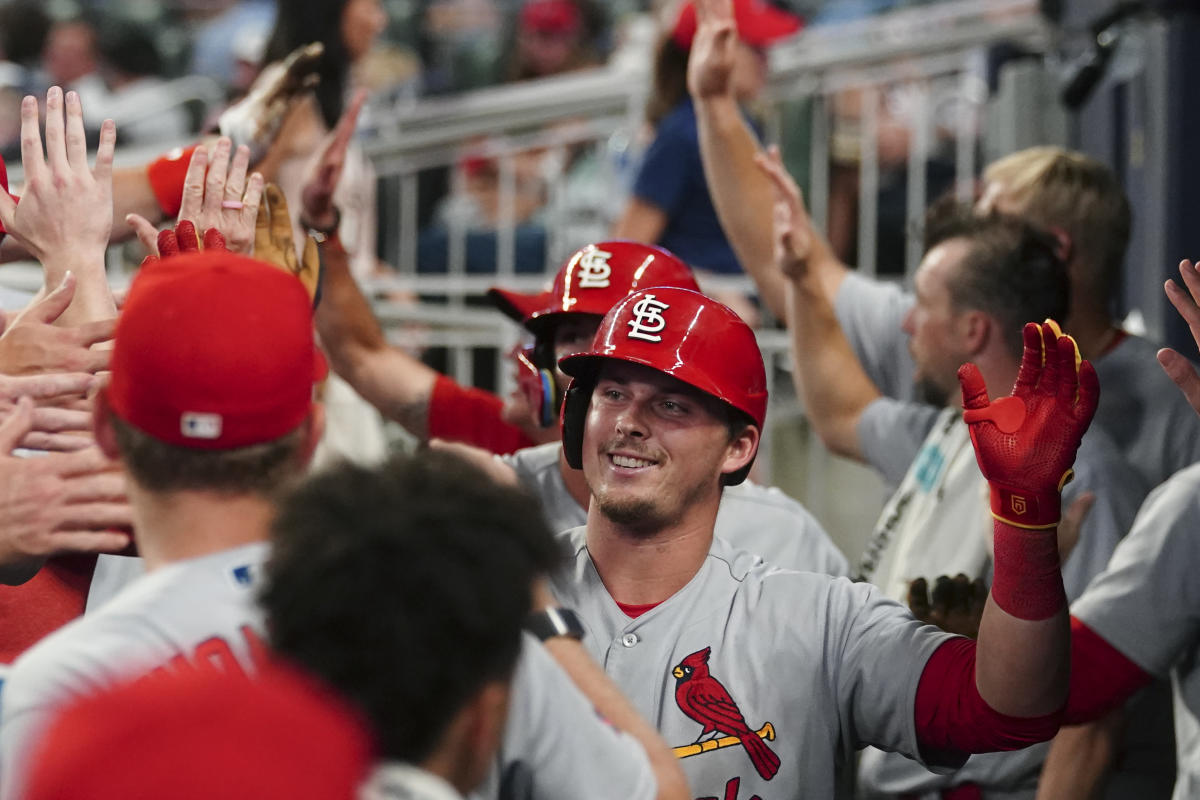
{"x": 741, "y": 449}
{"x": 976, "y": 329}
{"x": 102, "y": 424}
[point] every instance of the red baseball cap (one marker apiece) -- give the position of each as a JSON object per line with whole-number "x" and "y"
{"x": 519, "y": 306}
{"x": 551, "y": 16}
{"x": 214, "y": 351}
{"x": 202, "y": 735}
{"x": 592, "y": 280}
{"x": 758, "y": 23}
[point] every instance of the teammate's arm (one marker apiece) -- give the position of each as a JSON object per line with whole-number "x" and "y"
{"x": 741, "y": 194}
{"x": 613, "y": 706}
{"x": 1079, "y": 760}
{"x": 829, "y": 377}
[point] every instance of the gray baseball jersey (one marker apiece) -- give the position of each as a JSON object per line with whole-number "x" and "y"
{"x": 555, "y": 745}
{"x": 1147, "y": 605}
{"x": 153, "y": 624}
{"x": 937, "y": 522}
{"x": 761, "y": 520}
{"x": 763, "y": 680}
{"x": 1140, "y": 408}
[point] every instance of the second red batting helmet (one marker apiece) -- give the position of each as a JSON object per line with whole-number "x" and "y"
{"x": 592, "y": 280}
{"x": 678, "y": 332}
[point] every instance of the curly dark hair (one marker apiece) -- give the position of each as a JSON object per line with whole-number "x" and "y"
{"x": 405, "y": 588}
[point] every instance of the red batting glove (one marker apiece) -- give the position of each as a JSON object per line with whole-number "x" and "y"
{"x": 1026, "y": 443}
{"x": 183, "y": 239}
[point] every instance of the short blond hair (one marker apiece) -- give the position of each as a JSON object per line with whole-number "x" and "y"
{"x": 1057, "y": 188}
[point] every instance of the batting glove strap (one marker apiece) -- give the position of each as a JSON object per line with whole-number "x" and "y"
{"x": 1022, "y": 508}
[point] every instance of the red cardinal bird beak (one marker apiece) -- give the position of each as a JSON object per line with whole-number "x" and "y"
{"x": 677, "y": 672}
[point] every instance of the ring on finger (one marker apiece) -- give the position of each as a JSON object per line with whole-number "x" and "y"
{"x": 236, "y": 205}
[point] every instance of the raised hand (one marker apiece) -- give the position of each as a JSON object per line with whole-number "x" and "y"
{"x": 1177, "y": 367}
{"x": 65, "y": 215}
{"x": 33, "y": 344}
{"x": 1025, "y": 443}
{"x": 317, "y": 209}
{"x": 710, "y": 64}
{"x": 217, "y": 194}
{"x": 792, "y": 226}
{"x": 56, "y": 503}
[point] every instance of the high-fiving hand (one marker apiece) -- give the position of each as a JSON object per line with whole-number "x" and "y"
{"x": 1026, "y": 443}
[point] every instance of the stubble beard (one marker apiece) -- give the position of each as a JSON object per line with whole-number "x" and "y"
{"x": 928, "y": 391}
{"x": 643, "y": 518}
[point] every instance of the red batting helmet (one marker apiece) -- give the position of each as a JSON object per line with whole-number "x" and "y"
{"x": 593, "y": 279}
{"x": 683, "y": 334}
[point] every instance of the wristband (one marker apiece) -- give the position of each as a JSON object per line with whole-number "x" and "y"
{"x": 322, "y": 235}
{"x": 1028, "y": 578}
{"x": 552, "y": 622}
{"x": 166, "y": 175}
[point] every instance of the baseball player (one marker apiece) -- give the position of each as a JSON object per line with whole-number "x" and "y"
{"x": 1137, "y": 620}
{"x": 755, "y": 518}
{"x": 562, "y": 320}
{"x": 1076, "y": 197}
{"x": 435, "y": 665}
{"x": 208, "y": 423}
{"x": 765, "y": 680}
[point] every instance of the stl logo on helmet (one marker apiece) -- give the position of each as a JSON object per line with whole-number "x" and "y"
{"x": 648, "y": 320}
{"x": 594, "y": 270}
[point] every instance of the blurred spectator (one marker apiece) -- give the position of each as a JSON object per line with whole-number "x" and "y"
{"x": 70, "y": 59}
{"x": 671, "y": 205}
{"x": 219, "y": 26}
{"x": 23, "y": 29}
{"x": 136, "y": 97}
{"x": 348, "y": 30}
{"x": 553, "y": 37}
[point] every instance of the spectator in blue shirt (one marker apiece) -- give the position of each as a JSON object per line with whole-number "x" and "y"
{"x": 671, "y": 206}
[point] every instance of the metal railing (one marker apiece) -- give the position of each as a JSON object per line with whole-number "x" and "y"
{"x": 930, "y": 56}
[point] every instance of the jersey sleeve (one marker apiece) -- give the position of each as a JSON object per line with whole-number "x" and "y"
{"x": 465, "y": 414}
{"x": 556, "y": 745}
{"x": 870, "y": 313}
{"x": 891, "y": 432}
{"x": 1146, "y": 604}
{"x": 879, "y": 654}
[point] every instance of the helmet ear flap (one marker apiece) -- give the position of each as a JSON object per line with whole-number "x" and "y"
{"x": 574, "y": 414}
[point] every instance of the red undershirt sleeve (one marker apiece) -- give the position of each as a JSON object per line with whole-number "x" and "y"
{"x": 465, "y": 414}
{"x": 1102, "y": 677}
{"x": 952, "y": 716}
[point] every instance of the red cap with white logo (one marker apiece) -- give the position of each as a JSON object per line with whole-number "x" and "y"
{"x": 593, "y": 279}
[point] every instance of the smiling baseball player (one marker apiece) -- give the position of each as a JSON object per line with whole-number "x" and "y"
{"x": 763, "y": 679}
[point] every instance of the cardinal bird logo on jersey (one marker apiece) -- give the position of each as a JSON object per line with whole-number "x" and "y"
{"x": 704, "y": 699}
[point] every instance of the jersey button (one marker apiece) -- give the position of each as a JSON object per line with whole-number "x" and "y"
{"x": 630, "y": 639}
